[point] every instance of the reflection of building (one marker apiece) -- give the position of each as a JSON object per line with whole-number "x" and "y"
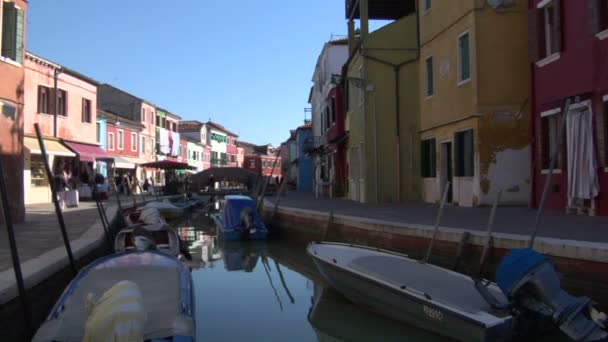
{"x": 12, "y": 33}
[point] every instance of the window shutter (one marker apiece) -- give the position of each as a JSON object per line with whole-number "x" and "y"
{"x": 39, "y": 99}
{"x": 469, "y": 154}
{"x": 19, "y": 37}
{"x": 433, "y": 159}
{"x": 9, "y": 33}
{"x": 458, "y": 153}
{"x": 557, "y": 26}
{"x": 533, "y": 33}
{"x": 593, "y": 10}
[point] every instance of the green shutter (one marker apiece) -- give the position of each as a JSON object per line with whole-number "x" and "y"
{"x": 458, "y": 154}
{"x": 9, "y": 30}
{"x": 433, "y": 158}
{"x": 423, "y": 159}
{"x": 19, "y": 37}
{"x": 469, "y": 154}
{"x": 429, "y": 77}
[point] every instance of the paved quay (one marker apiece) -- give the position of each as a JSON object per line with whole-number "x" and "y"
{"x": 508, "y": 220}
{"x": 40, "y": 243}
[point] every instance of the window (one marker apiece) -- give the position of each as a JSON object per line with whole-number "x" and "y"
{"x": 464, "y": 154}
{"x": 224, "y": 158}
{"x": 427, "y": 5}
{"x": 252, "y": 163}
{"x": 142, "y": 145}
{"x": 464, "y": 58}
{"x": 45, "y": 103}
{"x": 86, "y": 110}
{"x": 12, "y": 32}
{"x": 232, "y": 158}
{"x": 38, "y": 172}
{"x": 429, "y": 77}
{"x": 151, "y": 117}
{"x": 133, "y": 141}
{"x": 121, "y": 140}
{"x": 62, "y": 101}
{"x": 550, "y": 125}
{"x": 98, "y": 132}
{"x": 153, "y": 146}
{"x": 546, "y": 31}
{"x": 143, "y": 114}
{"x": 598, "y": 16}
{"x": 428, "y": 159}
{"x": 110, "y": 141}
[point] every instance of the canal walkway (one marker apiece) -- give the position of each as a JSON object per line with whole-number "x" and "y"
{"x": 508, "y": 220}
{"x": 40, "y": 243}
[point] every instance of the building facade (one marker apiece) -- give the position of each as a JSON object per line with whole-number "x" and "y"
{"x": 474, "y": 102}
{"x": 382, "y": 110}
{"x": 12, "y": 40}
{"x": 223, "y": 145}
{"x": 568, "y": 50}
{"x": 69, "y": 128}
{"x": 328, "y": 120}
{"x": 303, "y": 170}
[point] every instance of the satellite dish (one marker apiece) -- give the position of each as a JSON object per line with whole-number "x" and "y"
{"x": 495, "y": 3}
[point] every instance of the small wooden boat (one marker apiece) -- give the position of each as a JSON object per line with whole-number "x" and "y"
{"x": 166, "y": 209}
{"x": 426, "y": 296}
{"x": 164, "y": 237}
{"x": 165, "y": 285}
{"x": 239, "y": 219}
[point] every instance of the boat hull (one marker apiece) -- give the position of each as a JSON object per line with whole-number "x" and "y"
{"x": 408, "y": 308}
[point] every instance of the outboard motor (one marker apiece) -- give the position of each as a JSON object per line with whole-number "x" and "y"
{"x": 247, "y": 224}
{"x": 531, "y": 283}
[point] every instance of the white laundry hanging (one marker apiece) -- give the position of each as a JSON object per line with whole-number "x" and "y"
{"x": 582, "y": 166}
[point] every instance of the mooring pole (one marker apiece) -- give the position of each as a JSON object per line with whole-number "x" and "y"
{"x": 8, "y": 222}
{"x": 486, "y": 246}
{"x": 556, "y": 151}
{"x": 439, "y": 214}
{"x": 49, "y": 175}
{"x": 104, "y": 220}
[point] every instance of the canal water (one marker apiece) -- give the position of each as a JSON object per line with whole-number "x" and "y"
{"x": 271, "y": 291}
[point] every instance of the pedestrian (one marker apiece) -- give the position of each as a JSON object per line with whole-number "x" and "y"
{"x": 146, "y": 185}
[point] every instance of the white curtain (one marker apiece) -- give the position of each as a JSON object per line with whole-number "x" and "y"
{"x": 582, "y": 166}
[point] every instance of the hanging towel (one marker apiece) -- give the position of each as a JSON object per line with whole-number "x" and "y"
{"x": 175, "y": 147}
{"x": 582, "y": 166}
{"x": 164, "y": 141}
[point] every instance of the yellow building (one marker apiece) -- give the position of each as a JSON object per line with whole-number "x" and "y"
{"x": 382, "y": 108}
{"x": 474, "y": 101}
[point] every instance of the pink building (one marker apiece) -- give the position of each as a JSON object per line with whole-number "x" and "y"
{"x": 240, "y": 156}
{"x": 70, "y": 135}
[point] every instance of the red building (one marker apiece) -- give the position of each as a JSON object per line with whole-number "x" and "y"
{"x": 123, "y": 143}
{"x": 261, "y": 159}
{"x": 335, "y": 140}
{"x": 568, "y": 43}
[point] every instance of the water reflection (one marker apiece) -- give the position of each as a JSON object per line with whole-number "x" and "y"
{"x": 271, "y": 291}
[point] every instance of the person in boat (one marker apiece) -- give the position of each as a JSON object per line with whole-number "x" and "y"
{"x": 119, "y": 315}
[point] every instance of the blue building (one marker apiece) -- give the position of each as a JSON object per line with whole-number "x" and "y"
{"x": 304, "y": 162}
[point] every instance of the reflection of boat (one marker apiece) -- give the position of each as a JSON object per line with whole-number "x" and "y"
{"x": 164, "y": 237}
{"x": 166, "y": 209}
{"x": 241, "y": 256}
{"x": 424, "y": 295}
{"x": 239, "y": 220}
{"x": 336, "y": 319}
{"x": 169, "y": 304}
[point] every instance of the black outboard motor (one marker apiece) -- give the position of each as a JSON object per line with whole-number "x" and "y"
{"x": 247, "y": 222}
{"x": 531, "y": 283}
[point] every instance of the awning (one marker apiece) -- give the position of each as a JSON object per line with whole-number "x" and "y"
{"x": 88, "y": 152}
{"x": 123, "y": 163}
{"x": 53, "y": 147}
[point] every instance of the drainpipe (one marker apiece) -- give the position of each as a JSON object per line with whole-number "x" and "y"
{"x": 532, "y": 199}
{"x": 55, "y": 102}
{"x": 397, "y": 132}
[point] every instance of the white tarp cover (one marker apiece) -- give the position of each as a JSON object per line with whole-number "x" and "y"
{"x": 150, "y": 216}
{"x": 582, "y": 166}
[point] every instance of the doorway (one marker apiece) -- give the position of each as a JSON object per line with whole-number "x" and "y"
{"x": 446, "y": 170}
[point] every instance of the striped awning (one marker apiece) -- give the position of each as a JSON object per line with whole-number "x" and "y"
{"x": 123, "y": 163}
{"x": 53, "y": 147}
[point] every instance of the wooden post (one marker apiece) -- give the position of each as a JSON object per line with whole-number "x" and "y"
{"x": 276, "y": 202}
{"x": 330, "y": 220}
{"x": 486, "y": 246}
{"x": 439, "y": 214}
{"x": 261, "y": 198}
{"x": 8, "y": 222}
{"x": 464, "y": 238}
{"x": 58, "y": 212}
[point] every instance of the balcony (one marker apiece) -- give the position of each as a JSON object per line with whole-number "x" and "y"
{"x": 313, "y": 145}
{"x": 219, "y": 162}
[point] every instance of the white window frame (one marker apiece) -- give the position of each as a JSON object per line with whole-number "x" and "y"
{"x": 550, "y": 57}
{"x": 121, "y": 142}
{"x": 543, "y": 114}
{"x": 458, "y": 57}
{"x": 426, "y": 78}
{"x": 133, "y": 138}
{"x": 98, "y": 124}
{"x": 143, "y": 114}
{"x": 111, "y": 142}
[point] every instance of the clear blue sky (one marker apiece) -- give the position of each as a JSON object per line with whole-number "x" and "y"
{"x": 245, "y": 64}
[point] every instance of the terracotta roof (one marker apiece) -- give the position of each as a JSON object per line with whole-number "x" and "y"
{"x": 189, "y": 126}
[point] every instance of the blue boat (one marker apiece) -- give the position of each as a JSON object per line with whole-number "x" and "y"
{"x": 239, "y": 219}
{"x": 164, "y": 283}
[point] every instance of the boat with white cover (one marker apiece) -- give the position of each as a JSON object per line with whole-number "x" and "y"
{"x": 163, "y": 236}
{"x": 166, "y": 209}
{"x": 421, "y": 294}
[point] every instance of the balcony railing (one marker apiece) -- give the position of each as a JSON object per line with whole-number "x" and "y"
{"x": 218, "y": 162}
